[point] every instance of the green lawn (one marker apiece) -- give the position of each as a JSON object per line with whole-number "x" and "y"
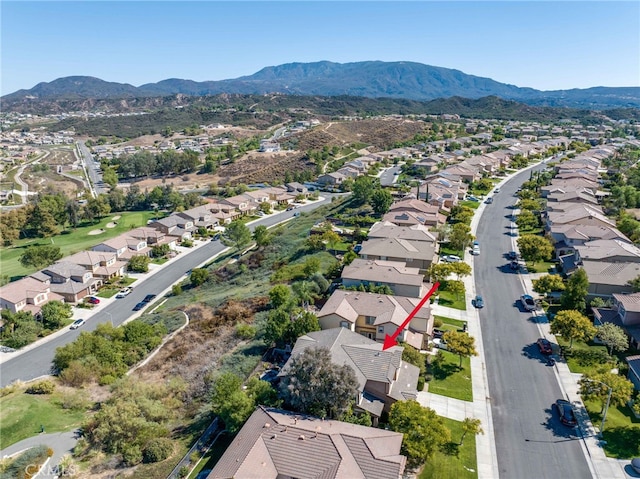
{"x": 451, "y": 300}
{"x": 450, "y": 380}
{"x": 458, "y": 463}
{"x": 470, "y": 204}
{"x": 21, "y": 416}
{"x": 210, "y": 459}
{"x": 621, "y": 430}
{"x": 445, "y": 250}
{"x": 541, "y": 267}
{"x": 585, "y": 358}
{"x": 71, "y": 241}
{"x": 450, "y": 324}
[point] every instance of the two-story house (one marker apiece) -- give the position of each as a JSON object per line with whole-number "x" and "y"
{"x": 416, "y": 254}
{"x": 69, "y": 280}
{"x": 124, "y": 247}
{"x": 27, "y": 294}
{"x": 403, "y": 281}
{"x": 383, "y": 377}
{"x": 102, "y": 265}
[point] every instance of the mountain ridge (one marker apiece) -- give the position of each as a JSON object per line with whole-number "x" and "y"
{"x": 373, "y": 79}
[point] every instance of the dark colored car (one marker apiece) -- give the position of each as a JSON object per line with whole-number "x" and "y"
{"x": 566, "y": 413}
{"x": 545, "y": 346}
{"x": 437, "y": 333}
{"x": 148, "y": 298}
{"x": 514, "y": 265}
{"x": 512, "y": 255}
{"x": 635, "y": 464}
{"x": 92, "y": 300}
{"x": 478, "y": 302}
{"x": 139, "y": 306}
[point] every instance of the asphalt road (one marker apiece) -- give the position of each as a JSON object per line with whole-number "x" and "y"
{"x": 93, "y": 170}
{"x": 388, "y": 177}
{"x": 530, "y": 440}
{"x": 37, "y": 362}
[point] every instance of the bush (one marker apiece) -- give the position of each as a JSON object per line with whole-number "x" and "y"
{"x": 176, "y": 290}
{"x": 157, "y": 449}
{"x": 75, "y": 400}
{"x": 77, "y": 374}
{"x": 421, "y": 382}
{"x": 26, "y": 465}
{"x": 42, "y": 387}
{"x": 437, "y": 322}
{"x": 245, "y": 331}
{"x": 131, "y": 455}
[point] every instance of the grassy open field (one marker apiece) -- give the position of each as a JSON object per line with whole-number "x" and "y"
{"x": 21, "y": 416}
{"x": 71, "y": 241}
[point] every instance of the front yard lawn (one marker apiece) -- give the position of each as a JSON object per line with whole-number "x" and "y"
{"x": 457, "y": 463}
{"x": 586, "y": 358}
{"x": 452, "y": 300}
{"x": 449, "y": 379}
{"x": 621, "y": 430}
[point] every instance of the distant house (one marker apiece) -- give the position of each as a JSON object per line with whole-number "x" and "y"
{"x": 176, "y": 225}
{"x": 624, "y": 313}
{"x": 403, "y": 281}
{"x": 416, "y": 254}
{"x": 69, "y": 280}
{"x": 567, "y": 237}
{"x": 383, "y": 377}
{"x": 124, "y": 246}
{"x": 278, "y": 444}
{"x": 386, "y": 229}
{"x": 331, "y": 179}
{"x": 414, "y": 212}
{"x": 607, "y": 278}
{"x": 608, "y": 250}
{"x": 101, "y": 264}
{"x": 27, "y": 294}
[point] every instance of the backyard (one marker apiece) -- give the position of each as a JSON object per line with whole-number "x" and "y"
{"x": 455, "y": 462}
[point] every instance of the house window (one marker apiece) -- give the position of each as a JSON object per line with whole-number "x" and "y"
{"x": 369, "y": 319}
{"x": 344, "y": 324}
{"x": 380, "y": 329}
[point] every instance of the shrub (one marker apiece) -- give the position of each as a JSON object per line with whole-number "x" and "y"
{"x": 176, "y": 290}
{"x": 76, "y": 374}
{"x": 157, "y": 449}
{"x": 421, "y": 382}
{"x": 106, "y": 380}
{"x": 245, "y": 331}
{"x": 437, "y": 322}
{"x": 42, "y": 387}
{"x": 74, "y": 399}
{"x": 131, "y": 455}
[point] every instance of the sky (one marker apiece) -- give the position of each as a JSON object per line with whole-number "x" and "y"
{"x": 546, "y": 45}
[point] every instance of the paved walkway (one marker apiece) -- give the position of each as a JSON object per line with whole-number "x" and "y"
{"x": 61, "y": 442}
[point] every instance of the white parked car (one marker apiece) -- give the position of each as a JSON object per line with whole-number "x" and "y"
{"x": 77, "y": 323}
{"x": 124, "y": 293}
{"x": 440, "y": 343}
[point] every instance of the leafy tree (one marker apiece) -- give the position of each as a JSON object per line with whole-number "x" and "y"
{"x": 548, "y": 283}
{"x": 363, "y": 187}
{"x": 139, "y": 263}
{"x": 305, "y": 291}
{"x": 261, "y": 236}
{"x": 236, "y": 235}
{"x": 98, "y": 207}
{"x": 314, "y": 243}
{"x": 277, "y": 323}
{"x": 535, "y": 248}
{"x": 198, "y": 276}
{"x": 470, "y": 425}
{"x": 635, "y": 284}
{"x": 160, "y": 250}
{"x": 461, "y": 344}
{"x": 55, "y": 314}
{"x": 381, "y": 201}
{"x": 331, "y": 238}
{"x": 576, "y": 291}
{"x": 40, "y": 256}
{"x": 280, "y": 295}
{"x": 315, "y": 385}
{"x": 439, "y": 272}
{"x": 572, "y": 324}
{"x": 613, "y": 337}
{"x": 461, "y": 214}
{"x": 229, "y": 401}
{"x": 110, "y": 177}
{"x": 424, "y": 431}
{"x": 460, "y": 236}
{"x": 527, "y": 220}
{"x": 460, "y": 269}
{"x": 591, "y": 388}
{"x": 455, "y": 287}
{"x": 529, "y": 204}
{"x": 262, "y": 393}
{"x": 311, "y": 266}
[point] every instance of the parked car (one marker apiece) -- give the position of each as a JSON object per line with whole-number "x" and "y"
{"x": 497, "y": 190}
{"x": 77, "y": 323}
{"x": 478, "y": 302}
{"x": 544, "y": 345}
{"x": 566, "y": 413}
{"x": 514, "y": 265}
{"x": 472, "y": 198}
{"x": 476, "y": 250}
{"x": 123, "y": 293}
{"x": 489, "y": 200}
{"x": 451, "y": 258}
{"x": 139, "y": 306}
{"x": 635, "y": 464}
{"x": 92, "y": 300}
{"x": 440, "y": 343}
{"x": 528, "y": 302}
{"x": 148, "y": 298}
{"x": 512, "y": 255}
{"x": 437, "y": 333}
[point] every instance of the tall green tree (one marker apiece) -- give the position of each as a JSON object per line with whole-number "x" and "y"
{"x": 572, "y": 324}
{"x": 460, "y": 236}
{"x": 575, "y": 293}
{"x": 314, "y": 384}
{"x": 461, "y": 344}
{"x": 55, "y": 314}
{"x": 424, "y": 432}
{"x": 230, "y": 402}
{"x": 535, "y": 248}
{"x": 548, "y": 283}
{"x": 236, "y": 235}
{"x": 363, "y": 188}
{"x": 381, "y": 201}
{"x": 594, "y": 387}
{"x": 261, "y": 236}
{"x": 280, "y": 295}
{"x": 40, "y": 256}
{"x": 471, "y": 426}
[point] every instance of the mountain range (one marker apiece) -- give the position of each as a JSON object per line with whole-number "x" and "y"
{"x": 372, "y": 79}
